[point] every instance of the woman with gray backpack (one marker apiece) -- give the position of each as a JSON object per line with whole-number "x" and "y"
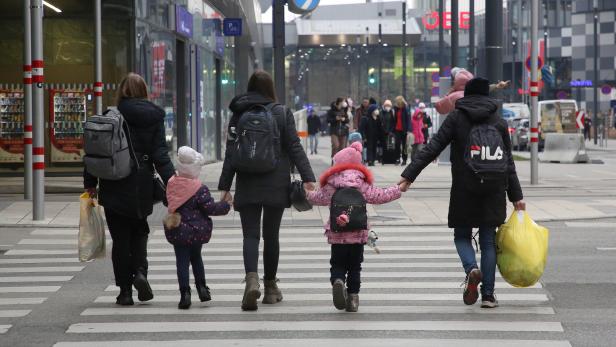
{"x": 261, "y": 147}
{"x": 126, "y": 184}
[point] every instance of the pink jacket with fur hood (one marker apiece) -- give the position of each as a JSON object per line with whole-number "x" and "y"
{"x": 448, "y": 103}
{"x": 350, "y": 175}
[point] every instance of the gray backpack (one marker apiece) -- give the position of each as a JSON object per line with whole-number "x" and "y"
{"x": 107, "y": 146}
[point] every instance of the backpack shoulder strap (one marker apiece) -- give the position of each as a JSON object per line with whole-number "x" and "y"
{"x": 131, "y": 149}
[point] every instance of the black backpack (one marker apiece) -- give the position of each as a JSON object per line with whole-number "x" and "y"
{"x": 351, "y": 202}
{"x": 486, "y": 160}
{"x": 257, "y": 144}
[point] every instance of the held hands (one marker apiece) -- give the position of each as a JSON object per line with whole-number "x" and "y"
{"x": 309, "y": 186}
{"x": 226, "y": 197}
{"x": 519, "y": 205}
{"x": 404, "y": 184}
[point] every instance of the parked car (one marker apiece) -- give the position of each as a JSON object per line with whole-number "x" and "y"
{"x": 521, "y": 110}
{"x": 519, "y": 129}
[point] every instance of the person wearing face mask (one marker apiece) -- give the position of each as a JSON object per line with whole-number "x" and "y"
{"x": 371, "y": 129}
{"x": 360, "y": 112}
{"x": 338, "y": 124}
{"x": 388, "y": 119}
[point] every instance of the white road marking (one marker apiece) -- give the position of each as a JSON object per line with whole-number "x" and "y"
{"x": 322, "y": 274}
{"x": 19, "y": 279}
{"x": 367, "y": 298}
{"x": 30, "y": 289}
{"x": 14, "y": 313}
{"x": 41, "y": 269}
{"x": 285, "y": 257}
{"x": 4, "y": 328}
{"x": 606, "y": 248}
{"x": 41, "y": 252}
{"x": 324, "y": 266}
{"x": 329, "y": 309}
{"x": 591, "y": 225}
{"x": 38, "y": 260}
{"x": 261, "y": 326}
{"x": 341, "y": 342}
{"x": 21, "y": 301}
{"x": 326, "y": 285}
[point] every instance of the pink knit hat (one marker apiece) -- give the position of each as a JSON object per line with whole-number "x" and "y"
{"x": 349, "y": 155}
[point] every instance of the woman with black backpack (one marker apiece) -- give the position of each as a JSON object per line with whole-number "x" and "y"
{"x": 261, "y": 147}
{"x": 129, "y": 201}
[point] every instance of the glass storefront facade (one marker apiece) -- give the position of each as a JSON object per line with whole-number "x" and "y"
{"x": 189, "y": 74}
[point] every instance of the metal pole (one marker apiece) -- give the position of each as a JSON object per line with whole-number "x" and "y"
{"x": 279, "y": 73}
{"x": 454, "y": 33}
{"x": 494, "y": 39}
{"x": 380, "y": 60}
{"x": 441, "y": 38}
{"x": 98, "y": 58}
{"x": 27, "y": 102}
{"x": 513, "y": 49}
{"x": 425, "y": 65}
{"x": 38, "y": 115}
{"x": 471, "y": 39}
{"x": 534, "y": 94}
{"x": 545, "y": 45}
{"x": 404, "y": 44}
{"x": 595, "y": 85}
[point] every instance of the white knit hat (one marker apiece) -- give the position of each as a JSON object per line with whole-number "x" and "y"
{"x": 189, "y": 162}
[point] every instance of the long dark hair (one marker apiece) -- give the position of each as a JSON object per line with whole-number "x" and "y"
{"x": 261, "y": 82}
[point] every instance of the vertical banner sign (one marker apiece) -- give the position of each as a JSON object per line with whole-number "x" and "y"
{"x": 183, "y": 21}
{"x": 158, "y": 68}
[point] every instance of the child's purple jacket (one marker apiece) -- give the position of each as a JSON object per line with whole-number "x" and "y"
{"x": 196, "y": 225}
{"x": 350, "y": 176}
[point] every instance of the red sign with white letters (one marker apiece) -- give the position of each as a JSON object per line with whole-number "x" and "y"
{"x": 432, "y": 21}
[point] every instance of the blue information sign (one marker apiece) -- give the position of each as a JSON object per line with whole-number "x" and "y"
{"x": 183, "y": 21}
{"x": 232, "y": 26}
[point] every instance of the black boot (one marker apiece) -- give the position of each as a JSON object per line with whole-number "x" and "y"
{"x": 126, "y": 296}
{"x": 184, "y": 299}
{"x": 144, "y": 292}
{"x": 203, "y": 291}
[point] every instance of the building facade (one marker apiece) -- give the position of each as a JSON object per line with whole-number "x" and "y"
{"x": 192, "y": 70}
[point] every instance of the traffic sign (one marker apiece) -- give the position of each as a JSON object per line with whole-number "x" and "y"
{"x": 232, "y": 26}
{"x": 579, "y": 119}
{"x": 302, "y": 6}
{"x": 606, "y": 89}
{"x": 539, "y": 63}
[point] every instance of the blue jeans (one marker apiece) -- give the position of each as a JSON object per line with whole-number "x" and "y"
{"x": 464, "y": 245}
{"x": 314, "y": 142}
{"x": 184, "y": 257}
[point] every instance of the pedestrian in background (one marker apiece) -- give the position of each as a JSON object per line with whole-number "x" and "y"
{"x": 427, "y": 122}
{"x": 371, "y": 130}
{"x": 338, "y": 124}
{"x": 129, "y": 201}
{"x": 265, "y": 194}
{"x": 359, "y": 113}
{"x": 347, "y": 247}
{"x": 188, "y": 224}
{"x": 314, "y": 125}
{"x": 417, "y": 124}
{"x": 402, "y": 127}
{"x": 474, "y": 203}
{"x": 587, "y": 127}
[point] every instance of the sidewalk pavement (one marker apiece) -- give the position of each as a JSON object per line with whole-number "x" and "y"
{"x": 425, "y": 204}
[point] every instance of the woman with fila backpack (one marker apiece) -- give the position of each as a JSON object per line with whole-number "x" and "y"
{"x": 129, "y": 201}
{"x": 261, "y": 147}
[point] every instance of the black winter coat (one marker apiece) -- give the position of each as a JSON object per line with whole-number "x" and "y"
{"x": 133, "y": 195}
{"x": 314, "y": 124}
{"x": 465, "y": 208}
{"x": 371, "y": 129}
{"x": 389, "y": 121}
{"x": 271, "y": 188}
{"x": 337, "y": 127}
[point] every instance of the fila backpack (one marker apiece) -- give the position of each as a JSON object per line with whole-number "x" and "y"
{"x": 257, "y": 143}
{"x": 107, "y": 146}
{"x": 486, "y": 160}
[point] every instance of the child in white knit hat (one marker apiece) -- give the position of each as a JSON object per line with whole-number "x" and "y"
{"x": 188, "y": 224}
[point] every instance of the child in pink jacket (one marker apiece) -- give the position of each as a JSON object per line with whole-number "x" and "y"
{"x": 347, "y": 248}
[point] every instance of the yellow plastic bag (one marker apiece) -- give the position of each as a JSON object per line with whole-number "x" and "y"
{"x": 91, "y": 238}
{"x": 521, "y": 250}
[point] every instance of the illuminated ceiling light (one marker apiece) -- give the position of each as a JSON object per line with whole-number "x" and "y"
{"x": 385, "y": 44}
{"x": 343, "y": 45}
{"x": 321, "y": 45}
{"x": 54, "y": 8}
{"x": 365, "y": 44}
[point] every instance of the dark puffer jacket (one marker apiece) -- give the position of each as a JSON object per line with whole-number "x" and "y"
{"x": 465, "y": 208}
{"x": 195, "y": 225}
{"x": 271, "y": 188}
{"x": 133, "y": 195}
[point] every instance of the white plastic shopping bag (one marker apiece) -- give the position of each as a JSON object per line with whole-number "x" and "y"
{"x": 91, "y": 238}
